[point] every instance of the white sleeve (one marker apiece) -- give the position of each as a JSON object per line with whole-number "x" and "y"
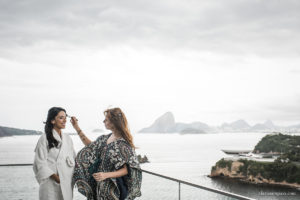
{"x": 40, "y": 165}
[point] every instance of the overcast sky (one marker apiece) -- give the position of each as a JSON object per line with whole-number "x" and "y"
{"x": 211, "y": 61}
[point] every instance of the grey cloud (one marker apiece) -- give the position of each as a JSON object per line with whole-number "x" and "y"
{"x": 256, "y": 27}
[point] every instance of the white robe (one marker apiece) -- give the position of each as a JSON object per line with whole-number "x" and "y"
{"x": 61, "y": 161}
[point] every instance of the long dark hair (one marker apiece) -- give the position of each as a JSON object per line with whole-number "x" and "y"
{"x": 52, "y": 113}
{"x": 119, "y": 120}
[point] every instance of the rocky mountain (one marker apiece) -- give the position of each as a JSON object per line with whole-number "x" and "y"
{"x": 268, "y": 125}
{"x": 236, "y": 126}
{"x": 294, "y": 128}
{"x": 166, "y": 124}
{"x": 6, "y": 131}
{"x": 193, "y": 127}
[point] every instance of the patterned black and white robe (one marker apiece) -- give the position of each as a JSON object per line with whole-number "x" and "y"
{"x": 100, "y": 157}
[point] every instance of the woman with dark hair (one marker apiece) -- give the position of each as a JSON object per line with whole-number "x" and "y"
{"x": 108, "y": 168}
{"x": 54, "y": 159}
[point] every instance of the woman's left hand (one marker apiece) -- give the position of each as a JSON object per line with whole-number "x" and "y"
{"x": 100, "y": 176}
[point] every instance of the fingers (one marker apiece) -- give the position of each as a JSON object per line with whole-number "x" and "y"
{"x": 57, "y": 179}
{"x": 74, "y": 120}
{"x": 98, "y": 176}
{"x": 95, "y": 176}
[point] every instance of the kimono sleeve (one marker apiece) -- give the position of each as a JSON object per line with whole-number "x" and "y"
{"x": 124, "y": 154}
{"x": 82, "y": 177}
{"x": 87, "y": 155}
{"x": 40, "y": 165}
{"x": 96, "y": 145}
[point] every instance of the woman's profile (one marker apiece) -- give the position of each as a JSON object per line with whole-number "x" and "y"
{"x": 108, "y": 167}
{"x": 54, "y": 159}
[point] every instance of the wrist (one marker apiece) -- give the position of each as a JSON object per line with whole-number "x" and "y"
{"x": 107, "y": 175}
{"x": 78, "y": 131}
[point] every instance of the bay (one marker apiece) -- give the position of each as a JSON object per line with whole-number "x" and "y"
{"x": 187, "y": 157}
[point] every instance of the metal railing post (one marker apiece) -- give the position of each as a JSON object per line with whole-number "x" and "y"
{"x": 179, "y": 189}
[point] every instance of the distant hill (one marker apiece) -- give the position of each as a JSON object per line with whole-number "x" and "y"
{"x": 6, "y": 131}
{"x": 166, "y": 124}
{"x": 237, "y": 125}
{"x": 288, "y": 144}
{"x": 193, "y": 127}
{"x": 268, "y": 125}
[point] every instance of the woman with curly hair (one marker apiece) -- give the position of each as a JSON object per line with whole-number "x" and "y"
{"x": 108, "y": 168}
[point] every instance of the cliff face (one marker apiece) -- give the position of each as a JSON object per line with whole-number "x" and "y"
{"x": 234, "y": 173}
{"x": 226, "y": 172}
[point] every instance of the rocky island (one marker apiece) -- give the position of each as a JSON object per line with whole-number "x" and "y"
{"x": 142, "y": 159}
{"x": 284, "y": 171}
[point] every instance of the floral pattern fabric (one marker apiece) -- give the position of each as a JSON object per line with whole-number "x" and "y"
{"x": 102, "y": 157}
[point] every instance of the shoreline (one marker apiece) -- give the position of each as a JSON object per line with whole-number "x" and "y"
{"x": 231, "y": 170}
{"x": 271, "y": 184}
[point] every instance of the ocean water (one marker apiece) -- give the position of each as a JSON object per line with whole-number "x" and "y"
{"x": 187, "y": 157}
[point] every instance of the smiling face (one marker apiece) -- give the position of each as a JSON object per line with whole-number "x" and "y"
{"x": 108, "y": 124}
{"x": 60, "y": 120}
